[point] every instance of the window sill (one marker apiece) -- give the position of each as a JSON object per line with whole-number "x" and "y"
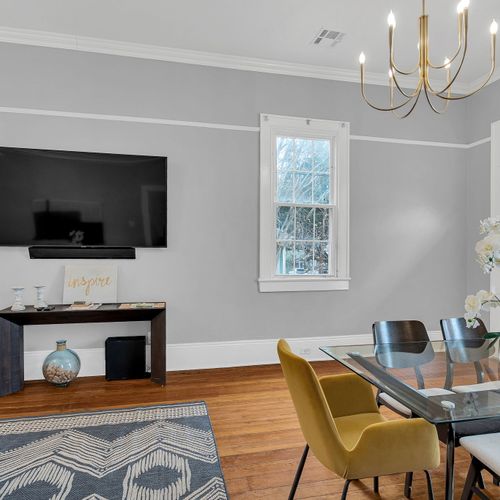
{"x": 303, "y": 284}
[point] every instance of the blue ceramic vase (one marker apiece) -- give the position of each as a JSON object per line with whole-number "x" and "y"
{"x": 61, "y": 366}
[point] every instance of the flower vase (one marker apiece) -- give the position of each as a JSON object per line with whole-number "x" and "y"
{"x": 61, "y": 366}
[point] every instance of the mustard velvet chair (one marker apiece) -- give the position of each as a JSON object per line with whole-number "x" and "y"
{"x": 342, "y": 424}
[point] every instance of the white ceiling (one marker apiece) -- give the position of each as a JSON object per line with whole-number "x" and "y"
{"x": 280, "y": 30}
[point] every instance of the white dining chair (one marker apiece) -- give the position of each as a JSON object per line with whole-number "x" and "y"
{"x": 485, "y": 452}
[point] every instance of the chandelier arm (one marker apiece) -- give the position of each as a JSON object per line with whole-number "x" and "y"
{"x": 459, "y": 49}
{"x": 392, "y": 63}
{"x": 392, "y": 108}
{"x": 438, "y": 111}
{"x": 413, "y": 94}
{"x": 485, "y": 82}
{"x": 401, "y": 117}
{"x": 460, "y": 97}
{"x": 452, "y": 80}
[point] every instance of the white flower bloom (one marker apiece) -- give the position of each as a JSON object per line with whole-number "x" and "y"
{"x": 484, "y": 296}
{"x": 491, "y": 224}
{"x": 472, "y": 304}
{"x": 471, "y": 319}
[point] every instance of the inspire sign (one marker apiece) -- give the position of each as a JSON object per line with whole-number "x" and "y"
{"x": 90, "y": 284}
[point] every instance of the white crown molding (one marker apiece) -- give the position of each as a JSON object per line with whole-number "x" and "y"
{"x": 155, "y": 52}
{"x": 475, "y": 84}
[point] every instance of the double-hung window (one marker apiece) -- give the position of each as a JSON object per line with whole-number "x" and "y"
{"x": 304, "y": 204}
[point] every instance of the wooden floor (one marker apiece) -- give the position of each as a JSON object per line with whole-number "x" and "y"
{"x": 257, "y": 433}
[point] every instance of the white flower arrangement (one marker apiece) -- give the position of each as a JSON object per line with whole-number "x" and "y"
{"x": 488, "y": 256}
{"x": 488, "y": 249}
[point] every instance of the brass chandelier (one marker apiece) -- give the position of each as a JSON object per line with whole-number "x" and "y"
{"x": 425, "y": 65}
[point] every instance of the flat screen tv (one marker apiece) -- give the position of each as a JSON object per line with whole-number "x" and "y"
{"x": 67, "y": 198}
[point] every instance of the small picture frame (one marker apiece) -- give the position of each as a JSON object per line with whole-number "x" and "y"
{"x": 90, "y": 284}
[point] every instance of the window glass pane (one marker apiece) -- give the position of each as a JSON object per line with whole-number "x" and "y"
{"x": 303, "y": 258}
{"x": 284, "y": 258}
{"x": 321, "y": 156}
{"x": 321, "y": 258}
{"x": 305, "y": 224}
{"x": 285, "y": 223}
{"x": 303, "y": 155}
{"x": 321, "y": 189}
{"x": 303, "y": 188}
{"x": 321, "y": 221}
{"x": 302, "y": 232}
{"x": 285, "y": 187}
{"x": 284, "y": 153}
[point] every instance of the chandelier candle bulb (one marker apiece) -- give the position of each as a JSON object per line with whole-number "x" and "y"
{"x": 494, "y": 27}
{"x": 362, "y": 58}
{"x": 391, "y": 20}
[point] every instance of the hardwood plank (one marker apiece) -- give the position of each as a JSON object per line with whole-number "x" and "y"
{"x": 255, "y": 426}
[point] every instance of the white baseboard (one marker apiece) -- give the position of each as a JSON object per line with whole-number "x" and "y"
{"x": 202, "y": 355}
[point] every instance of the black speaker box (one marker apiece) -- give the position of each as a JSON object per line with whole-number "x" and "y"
{"x": 126, "y": 358}
{"x": 75, "y": 252}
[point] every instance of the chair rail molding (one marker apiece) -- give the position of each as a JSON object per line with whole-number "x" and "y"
{"x": 221, "y": 126}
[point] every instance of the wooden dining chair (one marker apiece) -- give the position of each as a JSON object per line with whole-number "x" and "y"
{"x": 342, "y": 425}
{"x": 407, "y": 337}
{"x": 455, "y": 331}
{"x": 485, "y": 452}
{"x": 460, "y": 352}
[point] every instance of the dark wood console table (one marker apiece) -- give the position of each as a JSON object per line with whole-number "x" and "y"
{"x": 12, "y": 336}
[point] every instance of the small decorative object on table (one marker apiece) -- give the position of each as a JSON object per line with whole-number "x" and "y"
{"x": 61, "y": 366}
{"x": 488, "y": 257}
{"x": 18, "y": 299}
{"x": 40, "y": 300}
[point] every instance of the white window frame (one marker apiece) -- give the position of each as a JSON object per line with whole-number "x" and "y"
{"x": 272, "y": 126}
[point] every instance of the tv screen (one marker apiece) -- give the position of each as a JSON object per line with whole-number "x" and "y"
{"x": 82, "y": 199}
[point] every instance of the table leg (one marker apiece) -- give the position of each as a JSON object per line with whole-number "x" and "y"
{"x": 11, "y": 357}
{"x": 158, "y": 349}
{"x": 450, "y": 462}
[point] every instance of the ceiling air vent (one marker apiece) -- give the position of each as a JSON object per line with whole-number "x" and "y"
{"x": 328, "y": 37}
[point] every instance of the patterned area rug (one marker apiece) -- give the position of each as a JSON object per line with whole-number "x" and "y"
{"x": 165, "y": 452}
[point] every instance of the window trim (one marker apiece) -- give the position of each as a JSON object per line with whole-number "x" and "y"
{"x": 338, "y": 132}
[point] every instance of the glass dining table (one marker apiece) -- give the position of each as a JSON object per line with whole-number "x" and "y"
{"x": 454, "y": 385}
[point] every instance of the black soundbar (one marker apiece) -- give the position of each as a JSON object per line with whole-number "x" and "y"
{"x": 84, "y": 252}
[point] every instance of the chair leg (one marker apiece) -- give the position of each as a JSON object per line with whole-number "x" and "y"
{"x": 480, "y": 481}
{"x": 300, "y": 468}
{"x": 344, "y": 491}
{"x": 430, "y": 491}
{"x": 408, "y": 483}
{"x": 375, "y": 485}
{"x": 470, "y": 481}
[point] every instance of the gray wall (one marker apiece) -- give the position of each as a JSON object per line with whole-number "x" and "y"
{"x": 482, "y": 110}
{"x": 408, "y": 208}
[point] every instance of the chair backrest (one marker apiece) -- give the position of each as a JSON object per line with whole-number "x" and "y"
{"x": 407, "y": 345}
{"x": 391, "y": 332}
{"x": 312, "y": 409}
{"x": 467, "y": 345}
{"x": 457, "y": 329}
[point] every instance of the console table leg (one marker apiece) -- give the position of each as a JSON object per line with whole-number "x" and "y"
{"x": 11, "y": 357}
{"x": 158, "y": 349}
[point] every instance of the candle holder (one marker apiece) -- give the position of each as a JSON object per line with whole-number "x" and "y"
{"x": 40, "y": 300}
{"x": 18, "y": 299}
